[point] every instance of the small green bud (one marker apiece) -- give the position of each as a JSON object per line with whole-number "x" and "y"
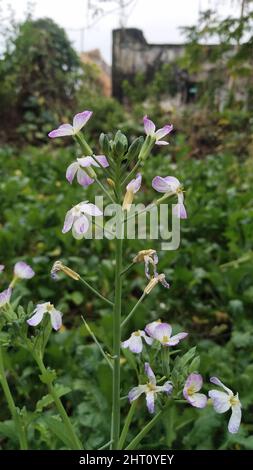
{"x": 121, "y": 144}
{"x": 104, "y": 144}
{"x": 135, "y": 149}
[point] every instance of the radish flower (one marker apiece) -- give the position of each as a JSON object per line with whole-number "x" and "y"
{"x": 77, "y": 220}
{"x": 192, "y": 386}
{"x": 83, "y": 171}
{"x": 134, "y": 343}
{"x": 150, "y": 129}
{"x": 43, "y": 309}
{"x": 150, "y": 258}
{"x": 162, "y": 333}
{"x": 223, "y": 401}
{"x": 150, "y": 389}
{"x": 150, "y": 328}
{"x": 79, "y": 121}
{"x": 5, "y": 296}
{"x": 131, "y": 189}
{"x": 154, "y": 281}
{"x": 170, "y": 184}
{"x": 23, "y": 270}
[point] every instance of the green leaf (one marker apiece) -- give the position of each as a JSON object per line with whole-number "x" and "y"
{"x": 8, "y": 429}
{"x": 45, "y": 401}
{"x": 48, "y": 377}
{"x": 58, "y": 428}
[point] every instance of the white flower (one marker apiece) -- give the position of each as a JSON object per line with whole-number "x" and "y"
{"x": 131, "y": 189}
{"x": 223, "y": 401}
{"x": 134, "y": 343}
{"x": 162, "y": 333}
{"x": 41, "y": 310}
{"x": 23, "y": 270}
{"x": 76, "y": 219}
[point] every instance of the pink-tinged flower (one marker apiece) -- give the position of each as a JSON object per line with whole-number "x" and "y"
{"x": 192, "y": 386}
{"x": 150, "y": 328}
{"x": 150, "y": 258}
{"x": 23, "y": 270}
{"x": 162, "y": 333}
{"x": 81, "y": 169}
{"x": 154, "y": 281}
{"x": 170, "y": 184}
{"x": 41, "y": 310}
{"x": 1, "y": 268}
{"x": 223, "y": 401}
{"x": 150, "y": 129}
{"x": 134, "y": 343}
{"x": 79, "y": 121}
{"x": 76, "y": 219}
{"x": 150, "y": 389}
{"x": 5, "y": 296}
{"x": 131, "y": 189}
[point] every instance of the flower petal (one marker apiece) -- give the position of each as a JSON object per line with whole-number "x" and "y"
{"x": 235, "y": 419}
{"x": 62, "y": 131}
{"x": 161, "y": 142}
{"x": 102, "y": 160}
{"x": 167, "y": 387}
{"x": 149, "y": 373}
{"x": 56, "y": 319}
{"x": 5, "y": 296}
{"x": 216, "y": 381}
{"x": 23, "y": 270}
{"x": 86, "y": 161}
{"x": 148, "y": 340}
{"x": 150, "y": 400}
{"x": 80, "y": 120}
{"x": 68, "y": 222}
{"x": 220, "y": 401}
{"x": 84, "y": 179}
{"x": 194, "y": 380}
{"x": 136, "y": 392}
{"x": 149, "y": 126}
{"x": 81, "y": 225}
{"x": 37, "y": 317}
{"x": 71, "y": 171}
{"x": 90, "y": 209}
{"x": 198, "y": 400}
{"x": 135, "y": 184}
{"x": 150, "y": 328}
{"x": 160, "y": 133}
{"x": 162, "y": 331}
{"x": 176, "y": 338}
{"x": 135, "y": 344}
{"x": 160, "y": 184}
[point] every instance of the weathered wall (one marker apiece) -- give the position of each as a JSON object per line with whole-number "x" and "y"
{"x": 132, "y": 54}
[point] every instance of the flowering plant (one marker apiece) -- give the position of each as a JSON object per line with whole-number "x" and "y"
{"x": 165, "y": 376}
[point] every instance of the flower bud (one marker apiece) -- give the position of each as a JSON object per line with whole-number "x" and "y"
{"x": 104, "y": 144}
{"x": 121, "y": 144}
{"x": 58, "y": 266}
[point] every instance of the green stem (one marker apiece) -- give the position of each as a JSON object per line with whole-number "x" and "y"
{"x": 12, "y": 407}
{"x": 133, "y": 310}
{"x": 127, "y": 269}
{"x": 97, "y": 343}
{"x": 133, "y": 444}
{"x": 132, "y": 173}
{"x": 104, "y": 189}
{"x": 92, "y": 289}
{"x": 127, "y": 424}
{"x": 61, "y": 410}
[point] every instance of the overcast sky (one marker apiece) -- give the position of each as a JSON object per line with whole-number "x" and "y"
{"x": 159, "y": 19}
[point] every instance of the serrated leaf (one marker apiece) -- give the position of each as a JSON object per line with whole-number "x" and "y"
{"x": 45, "y": 401}
{"x": 58, "y": 428}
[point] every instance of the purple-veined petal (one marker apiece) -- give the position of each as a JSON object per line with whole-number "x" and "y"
{"x": 149, "y": 126}
{"x": 216, "y": 381}
{"x": 68, "y": 222}
{"x": 102, "y": 160}
{"x": 86, "y": 161}
{"x": 136, "y": 392}
{"x": 125, "y": 344}
{"x": 150, "y": 328}
{"x": 148, "y": 340}
{"x": 147, "y": 263}
{"x": 176, "y": 338}
{"x": 135, "y": 344}
{"x": 23, "y": 270}
{"x": 56, "y": 319}
{"x": 90, "y": 209}
{"x": 150, "y": 374}
{"x": 135, "y": 184}
{"x": 81, "y": 225}
{"x": 194, "y": 381}
{"x": 164, "y": 282}
{"x": 71, "y": 171}
{"x": 36, "y": 318}
{"x": 62, "y": 131}
{"x": 160, "y": 133}
{"x": 167, "y": 387}
{"x": 161, "y": 142}
{"x": 84, "y": 179}
{"x": 5, "y": 296}
{"x": 198, "y": 400}
{"x": 160, "y": 184}
{"x": 150, "y": 400}
{"x": 235, "y": 419}
{"x": 220, "y": 400}
{"x": 162, "y": 332}
{"x": 80, "y": 120}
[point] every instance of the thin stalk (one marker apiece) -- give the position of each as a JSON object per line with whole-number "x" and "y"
{"x": 132, "y": 172}
{"x": 60, "y": 408}
{"x": 133, "y": 310}
{"x": 104, "y": 189}
{"x": 12, "y": 407}
{"x": 97, "y": 343}
{"x": 92, "y": 289}
{"x": 105, "y": 445}
{"x": 133, "y": 444}
{"x": 127, "y": 269}
{"x": 127, "y": 424}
